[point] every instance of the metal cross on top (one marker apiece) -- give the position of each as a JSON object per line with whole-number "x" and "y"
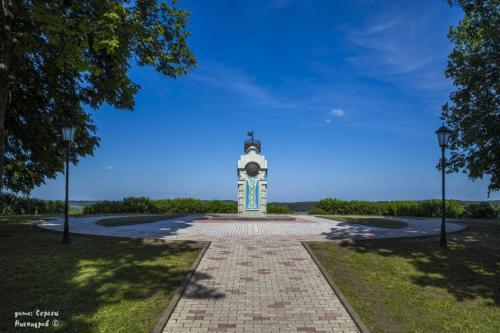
{"x": 251, "y": 135}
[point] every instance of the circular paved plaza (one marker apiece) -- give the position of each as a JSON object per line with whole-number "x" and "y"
{"x": 199, "y": 228}
{"x": 256, "y": 276}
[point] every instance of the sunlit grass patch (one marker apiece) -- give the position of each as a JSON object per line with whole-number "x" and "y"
{"x": 412, "y": 285}
{"x": 98, "y": 284}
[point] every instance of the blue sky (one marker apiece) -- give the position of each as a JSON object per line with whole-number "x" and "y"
{"x": 345, "y": 96}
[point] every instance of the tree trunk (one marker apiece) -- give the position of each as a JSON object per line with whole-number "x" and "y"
{"x": 6, "y": 20}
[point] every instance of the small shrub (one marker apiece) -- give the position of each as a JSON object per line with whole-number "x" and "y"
{"x": 221, "y": 207}
{"x": 187, "y": 205}
{"x": 138, "y": 205}
{"x": 454, "y": 209}
{"x": 104, "y": 207}
{"x": 11, "y": 204}
{"x": 387, "y": 208}
{"x": 8, "y": 211}
{"x": 317, "y": 211}
{"x": 480, "y": 210}
{"x": 277, "y": 209}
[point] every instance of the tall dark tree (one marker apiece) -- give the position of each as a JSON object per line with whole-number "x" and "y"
{"x": 473, "y": 112}
{"x": 57, "y": 56}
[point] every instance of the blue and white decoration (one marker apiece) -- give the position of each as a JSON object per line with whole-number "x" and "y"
{"x": 252, "y": 190}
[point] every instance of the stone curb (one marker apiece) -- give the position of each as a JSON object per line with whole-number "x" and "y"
{"x": 165, "y": 316}
{"x": 355, "y": 317}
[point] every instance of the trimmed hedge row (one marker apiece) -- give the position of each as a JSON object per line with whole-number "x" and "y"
{"x": 425, "y": 208}
{"x": 170, "y": 206}
{"x": 481, "y": 210}
{"x": 13, "y": 205}
{"x": 189, "y": 205}
{"x": 273, "y": 208}
{"x": 166, "y": 206}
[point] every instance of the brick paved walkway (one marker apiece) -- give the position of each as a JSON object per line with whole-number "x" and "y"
{"x": 256, "y": 276}
{"x": 259, "y": 285}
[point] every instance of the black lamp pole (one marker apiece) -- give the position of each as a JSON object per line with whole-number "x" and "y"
{"x": 68, "y": 133}
{"x": 65, "y": 239}
{"x": 443, "y": 136}
{"x": 442, "y": 241}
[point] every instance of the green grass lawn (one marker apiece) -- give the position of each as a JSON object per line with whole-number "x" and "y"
{"x": 368, "y": 221}
{"x": 97, "y": 284}
{"x": 411, "y": 285}
{"x": 136, "y": 219}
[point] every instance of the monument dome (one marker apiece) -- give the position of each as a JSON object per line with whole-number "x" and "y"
{"x": 252, "y": 143}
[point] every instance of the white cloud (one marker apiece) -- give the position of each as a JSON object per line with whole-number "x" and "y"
{"x": 339, "y": 113}
{"x": 328, "y": 121}
{"x": 109, "y": 168}
{"x": 236, "y": 81}
{"x": 403, "y": 45}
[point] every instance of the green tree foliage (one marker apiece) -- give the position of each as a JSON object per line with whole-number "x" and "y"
{"x": 297, "y": 207}
{"x": 387, "y": 208}
{"x": 480, "y": 210}
{"x": 473, "y": 112}
{"x": 182, "y": 206}
{"x": 165, "y": 206}
{"x": 274, "y": 208}
{"x": 138, "y": 205}
{"x": 106, "y": 207}
{"x": 317, "y": 211}
{"x": 11, "y": 204}
{"x": 190, "y": 205}
{"x": 58, "y": 56}
{"x": 217, "y": 206}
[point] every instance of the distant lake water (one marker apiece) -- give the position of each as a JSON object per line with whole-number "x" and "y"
{"x": 77, "y": 206}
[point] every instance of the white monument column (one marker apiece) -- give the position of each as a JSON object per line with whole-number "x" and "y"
{"x": 252, "y": 180}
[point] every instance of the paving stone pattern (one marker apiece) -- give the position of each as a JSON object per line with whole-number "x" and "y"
{"x": 251, "y": 284}
{"x": 255, "y": 276}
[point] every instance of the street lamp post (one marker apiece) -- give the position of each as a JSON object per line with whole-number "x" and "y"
{"x": 68, "y": 133}
{"x": 443, "y": 136}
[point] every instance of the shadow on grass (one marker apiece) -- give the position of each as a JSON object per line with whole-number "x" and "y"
{"x": 96, "y": 283}
{"x": 469, "y": 269}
